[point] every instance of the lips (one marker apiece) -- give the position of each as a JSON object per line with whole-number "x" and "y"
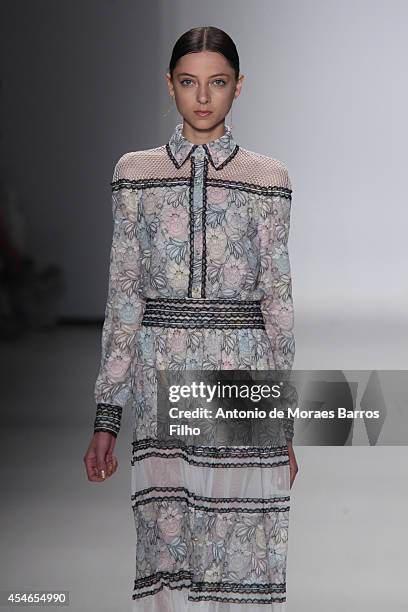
{"x": 202, "y": 113}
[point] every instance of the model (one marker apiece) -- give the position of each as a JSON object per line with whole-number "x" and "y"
{"x": 199, "y": 279}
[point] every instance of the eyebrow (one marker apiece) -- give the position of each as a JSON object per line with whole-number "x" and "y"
{"x": 211, "y": 77}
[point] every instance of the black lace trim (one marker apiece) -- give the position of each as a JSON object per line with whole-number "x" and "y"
{"x": 226, "y": 161}
{"x": 273, "y": 190}
{"x": 214, "y": 314}
{"x": 193, "y": 148}
{"x": 202, "y": 322}
{"x": 257, "y": 464}
{"x": 165, "y": 578}
{"x": 204, "y": 226}
{"x": 239, "y": 587}
{"x": 264, "y": 509}
{"x": 149, "y": 580}
{"x": 143, "y": 502}
{"x": 249, "y": 600}
{"x": 203, "y": 307}
{"x": 215, "y": 500}
{"x": 211, "y": 451}
{"x": 169, "y": 578}
{"x": 200, "y": 301}
{"x": 192, "y": 270}
{"x": 192, "y": 237}
{"x": 108, "y": 418}
{"x": 125, "y": 183}
{"x": 174, "y": 160}
{"x": 191, "y": 228}
{"x": 207, "y": 324}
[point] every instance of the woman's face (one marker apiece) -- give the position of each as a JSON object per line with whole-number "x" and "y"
{"x": 204, "y": 81}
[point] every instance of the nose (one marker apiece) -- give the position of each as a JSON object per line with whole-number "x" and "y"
{"x": 202, "y": 94}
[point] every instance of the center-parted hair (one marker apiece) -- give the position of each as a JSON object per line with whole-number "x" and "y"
{"x": 206, "y": 38}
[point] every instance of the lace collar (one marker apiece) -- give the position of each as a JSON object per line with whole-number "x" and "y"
{"x": 219, "y": 151}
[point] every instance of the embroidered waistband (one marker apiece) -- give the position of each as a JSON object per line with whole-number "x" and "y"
{"x": 203, "y": 312}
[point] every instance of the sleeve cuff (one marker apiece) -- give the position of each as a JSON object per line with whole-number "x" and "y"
{"x": 108, "y": 418}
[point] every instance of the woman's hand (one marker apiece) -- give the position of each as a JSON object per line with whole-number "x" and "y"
{"x": 292, "y": 463}
{"x": 100, "y": 462}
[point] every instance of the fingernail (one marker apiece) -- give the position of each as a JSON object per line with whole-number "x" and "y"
{"x": 103, "y": 473}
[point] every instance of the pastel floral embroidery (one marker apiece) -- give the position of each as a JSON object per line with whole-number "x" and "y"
{"x": 200, "y": 279}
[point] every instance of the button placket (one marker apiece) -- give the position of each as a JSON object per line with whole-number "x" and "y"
{"x": 197, "y": 200}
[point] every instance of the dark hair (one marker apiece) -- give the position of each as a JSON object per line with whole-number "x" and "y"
{"x": 206, "y": 38}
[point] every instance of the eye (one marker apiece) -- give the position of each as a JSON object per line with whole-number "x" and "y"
{"x": 184, "y": 81}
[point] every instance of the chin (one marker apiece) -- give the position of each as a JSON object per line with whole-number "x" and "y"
{"x": 207, "y": 123}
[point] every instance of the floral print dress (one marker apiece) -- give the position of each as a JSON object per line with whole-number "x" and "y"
{"x": 199, "y": 279}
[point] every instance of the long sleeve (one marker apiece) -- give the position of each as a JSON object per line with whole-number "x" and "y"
{"x": 275, "y": 277}
{"x": 124, "y": 309}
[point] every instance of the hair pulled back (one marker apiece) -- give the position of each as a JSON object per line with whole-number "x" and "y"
{"x": 206, "y": 38}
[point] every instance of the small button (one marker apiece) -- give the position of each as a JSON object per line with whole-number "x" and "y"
{"x": 199, "y": 152}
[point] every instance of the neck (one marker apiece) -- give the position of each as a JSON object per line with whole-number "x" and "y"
{"x": 202, "y": 135}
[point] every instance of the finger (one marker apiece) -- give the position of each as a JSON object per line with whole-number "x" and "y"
{"x": 110, "y": 466}
{"x": 114, "y": 464}
{"x": 101, "y": 467}
{"x": 91, "y": 467}
{"x": 93, "y": 475}
{"x": 110, "y": 460}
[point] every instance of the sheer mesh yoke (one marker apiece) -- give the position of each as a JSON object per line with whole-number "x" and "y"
{"x": 246, "y": 167}
{"x": 200, "y": 279}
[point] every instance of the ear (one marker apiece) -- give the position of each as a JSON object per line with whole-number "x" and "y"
{"x": 238, "y": 86}
{"x": 169, "y": 84}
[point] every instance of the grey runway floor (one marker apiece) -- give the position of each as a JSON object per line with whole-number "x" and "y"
{"x": 348, "y": 532}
